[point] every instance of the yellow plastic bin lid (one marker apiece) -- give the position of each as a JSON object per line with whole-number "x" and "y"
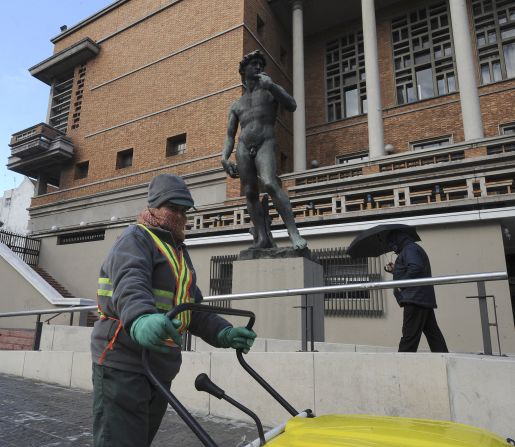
{"x": 381, "y": 431}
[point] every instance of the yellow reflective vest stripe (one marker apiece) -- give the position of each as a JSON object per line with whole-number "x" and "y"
{"x": 183, "y": 278}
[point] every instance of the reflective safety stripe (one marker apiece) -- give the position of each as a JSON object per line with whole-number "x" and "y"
{"x": 183, "y": 278}
{"x": 162, "y": 293}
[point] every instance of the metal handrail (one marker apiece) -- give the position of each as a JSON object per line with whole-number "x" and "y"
{"x": 479, "y": 278}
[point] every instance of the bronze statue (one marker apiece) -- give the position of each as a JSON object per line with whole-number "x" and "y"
{"x": 256, "y": 112}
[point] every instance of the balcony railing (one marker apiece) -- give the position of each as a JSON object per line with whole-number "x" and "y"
{"x": 40, "y": 150}
{"x": 460, "y": 176}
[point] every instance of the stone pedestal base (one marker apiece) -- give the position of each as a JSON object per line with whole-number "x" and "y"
{"x": 281, "y": 317}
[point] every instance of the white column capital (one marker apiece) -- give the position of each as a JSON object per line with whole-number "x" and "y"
{"x": 297, "y": 4}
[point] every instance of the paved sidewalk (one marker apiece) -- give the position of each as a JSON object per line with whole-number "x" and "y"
{"x": 37, "y": 414}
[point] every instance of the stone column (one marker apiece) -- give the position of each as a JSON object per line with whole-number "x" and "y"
{"x": 469, "y": 98}
{"x": 374, "y": 108}
{"x": 299, "y": 116}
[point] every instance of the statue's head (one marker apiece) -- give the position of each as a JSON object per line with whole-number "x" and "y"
{"x": 248, "y": 59}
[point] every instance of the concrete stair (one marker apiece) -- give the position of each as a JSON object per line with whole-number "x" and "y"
{"x": 92, "y": 316}
{"x": 54, "y": 283}
{"x": 16, "y": 339}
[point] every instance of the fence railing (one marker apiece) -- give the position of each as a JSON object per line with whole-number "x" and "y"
{"x": 479, "y": 278}
{"x": 27, "y": 248}
{"x": 338, "y": 268}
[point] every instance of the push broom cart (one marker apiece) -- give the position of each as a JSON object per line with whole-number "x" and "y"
{"x": 306, "y": 430}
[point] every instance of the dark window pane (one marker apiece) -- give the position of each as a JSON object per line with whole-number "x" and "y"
{"x": 401, "y": 97}
{"x": 496, "y": 69}
{"x": 507, "y": 33}
{"x": 351, "y": 102}
{"x": 412, "y": 96}
{"x": 421, "y": 58}
{"x": 485, "y": 74}
{"x": 509, "y": 59}
{"x": 425, "y": 83}
{"x": 451, "y": 82}
{"x": 441, "y": 86}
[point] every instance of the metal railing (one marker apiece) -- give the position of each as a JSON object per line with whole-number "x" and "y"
{"x": 27, "y": 248}
{"x": 479, "y": 278}
{"x": 338, "y": 269}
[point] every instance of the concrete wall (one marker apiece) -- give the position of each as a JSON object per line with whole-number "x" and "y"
{"x": 19, "y": 295}
{"x": 454, "y": 248}
{"x": 452, "y": 387}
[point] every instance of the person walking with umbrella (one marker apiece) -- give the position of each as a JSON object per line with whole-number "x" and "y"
{"x": 412, "y": 262}
{"x": 418, "y": 302}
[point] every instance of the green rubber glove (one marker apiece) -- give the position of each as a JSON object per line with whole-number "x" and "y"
{"x": 236, "y": 337}
{"x": 151, "y": 331}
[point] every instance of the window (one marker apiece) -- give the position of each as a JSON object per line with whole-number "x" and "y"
{"x": 61, "y": 100}
{"x": 7, "y": 202}
{"x": 423, "y": 54}
{"x": 260, "y": 26}
{"x": 507, "y": 129}
{"x": 81, "y": 170}
{"x": 353, "y": 158}
{"x": 431, "y": 143}
{"x": 176, "y": 145}
{"x": 83, "y": 236}
{"x": 494, "y": 26}
{"x": 124, "y": 159}
{"x": 345, "y": 77}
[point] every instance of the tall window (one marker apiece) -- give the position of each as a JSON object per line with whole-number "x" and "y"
{"x": 345, "y": 77}
{"x": 61, "y": 100}
{"x": 494, "y": 25}
{"x": 423, "y": 54}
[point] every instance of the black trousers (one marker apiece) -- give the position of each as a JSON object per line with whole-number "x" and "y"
{"x": 127, "y": 409}
{"x": 418, "y": 320}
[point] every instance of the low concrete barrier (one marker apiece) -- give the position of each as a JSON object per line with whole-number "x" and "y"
{"x": 467, "y": 388}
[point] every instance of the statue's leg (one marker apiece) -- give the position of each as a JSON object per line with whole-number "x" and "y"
{"x": 249, "y": 181}
{"x": 266, "y": 168}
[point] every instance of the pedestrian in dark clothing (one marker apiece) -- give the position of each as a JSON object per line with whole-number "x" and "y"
{"x": 147, "y": 272}
{"x": 418, "y": 302}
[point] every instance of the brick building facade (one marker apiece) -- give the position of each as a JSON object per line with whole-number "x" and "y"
{"x": 147, "y": 85}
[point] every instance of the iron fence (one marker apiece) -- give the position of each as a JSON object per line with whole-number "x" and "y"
{"x": 27, "y": 248}
{"x": 220, "y": 277}
{"x": 338, "y": 268}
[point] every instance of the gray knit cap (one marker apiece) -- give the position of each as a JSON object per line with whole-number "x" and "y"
{"x": 168, "y": 188}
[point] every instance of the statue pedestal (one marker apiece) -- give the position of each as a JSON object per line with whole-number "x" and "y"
{"x": 281, "y": 317}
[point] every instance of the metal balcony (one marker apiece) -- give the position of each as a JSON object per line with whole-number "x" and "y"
{"x": 40, "y": 150}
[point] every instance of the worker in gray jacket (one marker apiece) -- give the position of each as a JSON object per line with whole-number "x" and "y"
{"x": 147, "y": 272}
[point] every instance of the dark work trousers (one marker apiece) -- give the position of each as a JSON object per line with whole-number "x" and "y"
{"x": 127, "y": 409}
{"x": 417, "y": 320}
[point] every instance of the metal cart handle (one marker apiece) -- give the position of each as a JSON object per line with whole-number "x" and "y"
{"x": 172, "y": 400}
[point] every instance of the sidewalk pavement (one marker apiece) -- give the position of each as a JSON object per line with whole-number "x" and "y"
{"x": 37, "y": 414}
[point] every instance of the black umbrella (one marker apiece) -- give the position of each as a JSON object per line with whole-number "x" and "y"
{"x": 371, "y": 242}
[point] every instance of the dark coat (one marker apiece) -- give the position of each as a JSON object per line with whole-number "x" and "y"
{"x": 412, "y": 262}
{"x": 136, "y": 267}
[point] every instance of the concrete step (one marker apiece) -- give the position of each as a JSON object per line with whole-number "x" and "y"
{"x": 54, "y": 283}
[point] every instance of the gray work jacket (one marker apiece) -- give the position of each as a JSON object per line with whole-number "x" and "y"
{"x": 136, "y": 268}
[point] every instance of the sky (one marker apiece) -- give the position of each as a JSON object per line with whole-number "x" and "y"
{"x": 26, "y": 27}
